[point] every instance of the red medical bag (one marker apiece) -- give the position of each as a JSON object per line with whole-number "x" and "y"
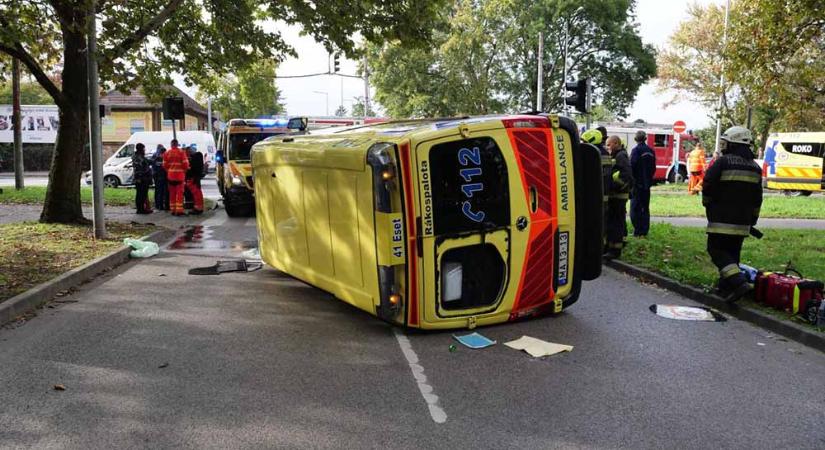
{"x": 790, "y": 293}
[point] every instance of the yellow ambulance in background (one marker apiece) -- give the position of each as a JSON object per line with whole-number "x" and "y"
{"x": 794, "y": 162}
{"x": 233, "y": 171}
{"x": 447, "y": 223}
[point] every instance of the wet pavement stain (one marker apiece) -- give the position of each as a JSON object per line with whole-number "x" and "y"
{"x": 197, "y": 237}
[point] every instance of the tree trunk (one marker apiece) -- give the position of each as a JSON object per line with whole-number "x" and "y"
{"x": 62, "y": 203}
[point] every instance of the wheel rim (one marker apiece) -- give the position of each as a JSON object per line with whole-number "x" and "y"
{"x": 109, "y": 182}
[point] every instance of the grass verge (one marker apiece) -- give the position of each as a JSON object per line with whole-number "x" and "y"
{"x": 36, "y": 195}
{"x": 111, "y": 197}
{"x": 774, "y": 206}
{"x": 680, "y": 253}
{"x": 32, "y": 253}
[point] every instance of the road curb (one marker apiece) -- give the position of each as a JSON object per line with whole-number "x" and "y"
{"x": 784, "y": 328}
{"x": 33, "y": 298}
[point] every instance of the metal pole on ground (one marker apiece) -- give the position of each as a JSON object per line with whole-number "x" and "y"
{"x": 95, "y": 140}
{"x": 16, "y": 119}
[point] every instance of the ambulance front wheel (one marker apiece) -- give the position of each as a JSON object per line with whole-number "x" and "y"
{"x": 235, "y": 208}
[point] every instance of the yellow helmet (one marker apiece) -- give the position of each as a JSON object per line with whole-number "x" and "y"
{"x": 592, "y": 136}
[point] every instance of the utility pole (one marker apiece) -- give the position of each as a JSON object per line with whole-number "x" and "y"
{"x": 540, "y": 74}
{"x": 16, "y": 119}
{"x": 366, "y": 86}
{"x": 209, "y": 115}
{"x": 342, "y": 92}
{"x": 95, "y": 141}
{"x": 722, "y": 82}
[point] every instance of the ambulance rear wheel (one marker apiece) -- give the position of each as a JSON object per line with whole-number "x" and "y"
{"x": 797, "y": 193}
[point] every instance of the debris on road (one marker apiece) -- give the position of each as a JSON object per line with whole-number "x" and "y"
{"x": 59, "y": 387}
{"x": 142, "y": 249}
{"x": 226, "y": 266}
{"x": 253, "y": 254}
{"x": 694, "y": 313}
{"x": 474, "y": 340}
{"x": 452, "y": 348}
{"x": 163, "y": 366}
{"x": 538, "y": 348}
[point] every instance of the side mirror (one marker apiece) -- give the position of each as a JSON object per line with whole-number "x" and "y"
{"x": 298, "y": 123}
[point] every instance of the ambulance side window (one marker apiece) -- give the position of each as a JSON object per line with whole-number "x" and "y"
{"x": 469, "y": 186}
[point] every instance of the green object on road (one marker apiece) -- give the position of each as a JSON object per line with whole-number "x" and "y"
{"x": 142, "y": 249}
{"x": 452, "y": 348}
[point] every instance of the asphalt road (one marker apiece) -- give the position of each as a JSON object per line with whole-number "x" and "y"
{"x": 152, "y": 357}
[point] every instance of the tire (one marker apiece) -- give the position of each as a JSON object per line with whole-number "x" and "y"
{"x": 683, "y": 173}
{"x": 677, "y": 176}
{"x": 110, "y": 181}
{"x": 235, "y": 210}
{"x": 797, "y": 193}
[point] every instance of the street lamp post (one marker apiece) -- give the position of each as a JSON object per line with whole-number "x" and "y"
{"x": 721, "y": 83}
{"x": 326, "y": 94}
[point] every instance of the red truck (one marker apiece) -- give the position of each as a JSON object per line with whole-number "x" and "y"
{"x": 661, "y": 140}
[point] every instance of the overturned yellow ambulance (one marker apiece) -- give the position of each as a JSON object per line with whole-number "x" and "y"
{"x": 446, "y": 223}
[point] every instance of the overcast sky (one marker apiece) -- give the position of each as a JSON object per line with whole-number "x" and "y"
{"x": 310, "y": 96}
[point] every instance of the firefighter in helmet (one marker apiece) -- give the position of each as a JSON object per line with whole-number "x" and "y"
{"x": 732, "y": 195}
{"x": 621, "y": 179}
{"x": 595, "y": 137}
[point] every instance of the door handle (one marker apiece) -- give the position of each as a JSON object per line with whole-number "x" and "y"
{"x": 534, "y": 199}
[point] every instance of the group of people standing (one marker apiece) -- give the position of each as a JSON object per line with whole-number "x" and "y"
{"x": 731, "y": 187}
{"x": 628, "y": 174}
{"x": 173, "y": 172}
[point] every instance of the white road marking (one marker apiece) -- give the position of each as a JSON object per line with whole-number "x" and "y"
{"x": 436, "y": 412}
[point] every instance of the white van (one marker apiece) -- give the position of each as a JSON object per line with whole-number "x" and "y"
{"x": 117, "y": 170}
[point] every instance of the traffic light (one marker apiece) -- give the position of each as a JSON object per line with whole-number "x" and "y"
{"x": 581, "y": 95}
{"x": 173, "y": 108}
{"x": 336, "y": 62}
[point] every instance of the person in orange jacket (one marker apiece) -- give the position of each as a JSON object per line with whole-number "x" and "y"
{"x": 696, "y": 167}
{"x": 176, "y": 163}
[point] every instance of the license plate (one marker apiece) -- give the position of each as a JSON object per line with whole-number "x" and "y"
{"x": 564, "y": 243}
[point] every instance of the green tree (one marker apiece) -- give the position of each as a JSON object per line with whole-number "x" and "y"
{"x": 141, "y": 43}
{"x": 249, "y": 93}
{"x": 484, "y": 58}
{"x": 341, "y": 111}
{"x": 358, "y": 108}
{"x": 30, "y": 94}
{"x": 773, "y": 63}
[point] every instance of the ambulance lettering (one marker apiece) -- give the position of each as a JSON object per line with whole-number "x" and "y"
{"x": 470, "y": 160}
{"x": 397, "y": 238}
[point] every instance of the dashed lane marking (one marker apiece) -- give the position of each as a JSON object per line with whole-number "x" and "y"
{"x": 436, "y": 412}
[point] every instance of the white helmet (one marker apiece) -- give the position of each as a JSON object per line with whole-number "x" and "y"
{"x": 737, "y": 135}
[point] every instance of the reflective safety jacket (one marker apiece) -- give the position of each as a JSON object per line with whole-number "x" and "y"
{"x": 696, "y": 161}
{"x": 732, "y": 193}
{"x": 176, "y": 163}
{"x": 621, "y": 179}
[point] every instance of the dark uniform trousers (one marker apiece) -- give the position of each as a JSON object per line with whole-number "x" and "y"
{"x": 616, "y": 223}
{"x": 725, "y": 251}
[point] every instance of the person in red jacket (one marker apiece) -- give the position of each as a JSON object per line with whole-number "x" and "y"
{"x": 176, "y": 163}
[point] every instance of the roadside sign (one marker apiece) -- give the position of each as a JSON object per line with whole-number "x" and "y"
{"x": 679, "y": 126}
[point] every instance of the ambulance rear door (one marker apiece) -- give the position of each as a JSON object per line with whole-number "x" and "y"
{"x": 464, "y": 228}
